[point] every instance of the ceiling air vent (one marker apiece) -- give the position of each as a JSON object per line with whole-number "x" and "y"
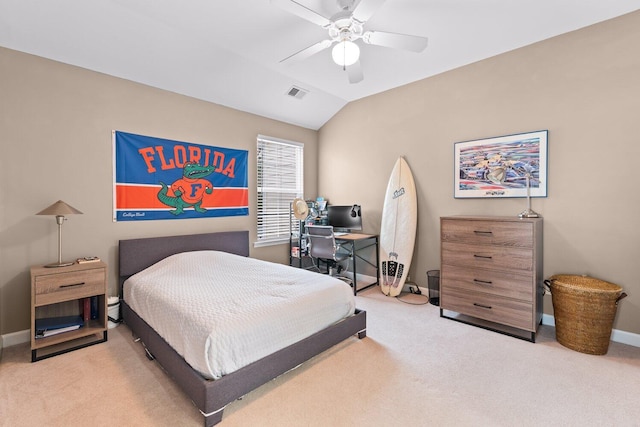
{"x": 297, "y": 92}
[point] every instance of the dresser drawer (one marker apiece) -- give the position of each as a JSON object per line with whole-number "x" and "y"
{"x": 505, "y": 311}
{"x": 52, "y": 288}
{"x": 489, "y": 257}
{"x": 507, "y": 284}
{"x": 506, "y": 233}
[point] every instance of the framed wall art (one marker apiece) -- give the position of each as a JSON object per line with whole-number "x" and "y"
{"x": 500, "y": 166}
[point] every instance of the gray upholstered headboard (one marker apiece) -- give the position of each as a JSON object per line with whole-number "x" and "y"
{"x": 137, "y": 254}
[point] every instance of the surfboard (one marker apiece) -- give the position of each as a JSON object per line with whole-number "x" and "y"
{"x": 398, "y": 229}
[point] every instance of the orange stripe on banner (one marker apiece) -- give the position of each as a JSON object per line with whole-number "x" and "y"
{"x": 132, "y": 197}
{"x": 136, "y": 197}
{"x": 229, "y": 197}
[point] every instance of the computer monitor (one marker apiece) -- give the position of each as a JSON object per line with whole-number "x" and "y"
{"x": 344, "y": 218}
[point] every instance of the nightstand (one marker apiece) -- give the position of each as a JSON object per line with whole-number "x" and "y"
{"x": 63, "y": 292}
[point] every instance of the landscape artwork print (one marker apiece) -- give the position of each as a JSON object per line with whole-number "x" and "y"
{"x": 500, "y": 166}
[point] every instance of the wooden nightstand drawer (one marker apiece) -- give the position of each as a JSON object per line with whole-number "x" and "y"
{"x": 510, "y": 234}
{"x": 505, "y": 311}
{"x": 67, "y": 286}
{"x": 490, "y": 257}
{"x": 506, "y": 284}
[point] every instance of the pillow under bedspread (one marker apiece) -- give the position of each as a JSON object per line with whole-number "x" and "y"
{"x": 221, "y": 311}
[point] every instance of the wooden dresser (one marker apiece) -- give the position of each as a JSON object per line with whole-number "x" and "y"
{"x": 491, "y": 273}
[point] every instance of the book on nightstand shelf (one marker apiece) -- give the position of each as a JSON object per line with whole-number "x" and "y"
{"x": 48, "y": 326}
{"x": 49, "y": 332}
{"x": 94, "y": 307}
{"x": 86, "y": 308}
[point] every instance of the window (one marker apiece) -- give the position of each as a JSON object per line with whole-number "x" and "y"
{"x": 280, "y": 180}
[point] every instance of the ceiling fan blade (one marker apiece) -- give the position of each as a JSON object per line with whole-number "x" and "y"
{"x": 302, "y": 11}
{"x": 396, "y": 41}
{"x": 308, "y": 51}
{"x": 354, "y": 72}
{"x": 366, "y": 9}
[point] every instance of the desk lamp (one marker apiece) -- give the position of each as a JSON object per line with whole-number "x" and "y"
{"x": 528, "y": 213}
{"x": 528, "y": 174}
{"x": 59, "y": 209}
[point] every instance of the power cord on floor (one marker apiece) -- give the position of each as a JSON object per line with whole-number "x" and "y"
{"x": 417, "y": 291}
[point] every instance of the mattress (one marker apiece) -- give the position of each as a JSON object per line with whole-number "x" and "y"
{"x": 221, "y": 311}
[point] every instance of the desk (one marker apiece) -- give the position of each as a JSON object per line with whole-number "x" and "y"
{"x": 356, "y": 244}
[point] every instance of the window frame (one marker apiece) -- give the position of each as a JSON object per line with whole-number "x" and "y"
{"x": 287, "y": 157}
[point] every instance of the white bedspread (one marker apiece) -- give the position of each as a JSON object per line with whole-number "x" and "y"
{"x": 221, "y": 312}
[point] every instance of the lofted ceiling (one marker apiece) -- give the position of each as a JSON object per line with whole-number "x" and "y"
{"x": 229, "y": 52}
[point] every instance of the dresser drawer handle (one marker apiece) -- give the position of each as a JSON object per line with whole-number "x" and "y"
{"x": 72, "y": 285}
{"x": 482, "y": 305}
{"x": 484, "y": 282}
{"x": 483, "y": 233}
{"x": 482, "y": 256}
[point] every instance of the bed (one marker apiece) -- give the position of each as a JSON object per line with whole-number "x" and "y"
{"x": 212, "y": 395}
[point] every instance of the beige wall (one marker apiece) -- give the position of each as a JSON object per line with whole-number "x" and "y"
{"x": 55, "y": 130}
{"x": 584, "y": 87}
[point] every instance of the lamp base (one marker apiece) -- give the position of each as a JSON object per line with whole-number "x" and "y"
{"x": 528, "y": 213}
{"x": 59, "y": 264}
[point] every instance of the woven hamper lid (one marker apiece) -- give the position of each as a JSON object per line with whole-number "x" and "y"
{"x": 584, "y": 283}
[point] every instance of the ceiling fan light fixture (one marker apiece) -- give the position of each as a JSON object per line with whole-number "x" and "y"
{"x": 345, "y": 53}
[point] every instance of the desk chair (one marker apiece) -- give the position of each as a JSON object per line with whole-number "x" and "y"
{"x": 323, "y": 247}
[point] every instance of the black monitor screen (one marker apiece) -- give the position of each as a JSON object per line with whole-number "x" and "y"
{"x": 345, "y": 217}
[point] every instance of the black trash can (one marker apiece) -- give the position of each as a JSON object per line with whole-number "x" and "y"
{"x": 433, "y": 282}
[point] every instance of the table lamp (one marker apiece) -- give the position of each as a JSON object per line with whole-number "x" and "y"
{"x": 528, "y": 213}
{"x": 59, "y": 209}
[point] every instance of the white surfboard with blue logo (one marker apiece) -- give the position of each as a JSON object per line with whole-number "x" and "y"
{"x": 398, "y": 229}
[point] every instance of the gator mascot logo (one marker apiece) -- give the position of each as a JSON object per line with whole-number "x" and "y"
{"x": 188, "y": 190}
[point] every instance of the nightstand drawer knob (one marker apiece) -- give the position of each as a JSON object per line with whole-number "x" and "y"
{"x": 483, "y": 233}
{"x": 72, "y": 285}
{"x": 482, "y": 256}
{"x": 484, "y": 282}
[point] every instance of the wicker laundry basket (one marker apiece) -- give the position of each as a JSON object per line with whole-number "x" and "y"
{"x": 584, "y": 310}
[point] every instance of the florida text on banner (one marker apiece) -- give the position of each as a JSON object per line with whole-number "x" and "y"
{"x": 162, "y": 179}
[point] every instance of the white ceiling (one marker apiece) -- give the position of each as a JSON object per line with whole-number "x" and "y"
{"x": 228, "y": 52}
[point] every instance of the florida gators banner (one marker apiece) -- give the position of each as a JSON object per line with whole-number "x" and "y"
{"x": 158, "y": 178}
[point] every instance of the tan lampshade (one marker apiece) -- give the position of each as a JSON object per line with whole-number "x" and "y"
{"x": 59, "y": 208}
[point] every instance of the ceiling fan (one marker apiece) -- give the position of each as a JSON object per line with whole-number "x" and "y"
{"x": 345, "y": 27}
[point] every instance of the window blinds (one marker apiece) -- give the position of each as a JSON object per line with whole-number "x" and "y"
{"x": 280, "y": 180}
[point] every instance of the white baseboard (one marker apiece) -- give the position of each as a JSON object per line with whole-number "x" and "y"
{"x": 622, "y": 337}
{"x": 15, "y": 338}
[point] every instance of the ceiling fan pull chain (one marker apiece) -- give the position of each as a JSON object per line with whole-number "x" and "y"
{"x": 344, "y": 56}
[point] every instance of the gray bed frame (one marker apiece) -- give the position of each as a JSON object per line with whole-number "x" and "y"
{"x": 211, "y": 396}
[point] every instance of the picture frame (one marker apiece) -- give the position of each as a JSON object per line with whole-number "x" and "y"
{"x": 498, "y": 166}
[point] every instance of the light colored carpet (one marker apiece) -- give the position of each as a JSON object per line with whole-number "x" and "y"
{"x": 413, "y": 369}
